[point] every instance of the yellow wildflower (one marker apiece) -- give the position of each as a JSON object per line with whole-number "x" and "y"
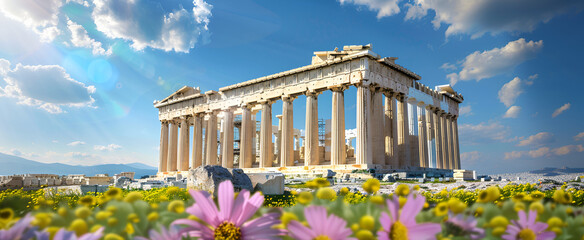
{"x": 133, "y": 196}
{"x": 326, "y": 193}
{"x": 371, "y": 186}
{"x": 177, "y": 206}
{"x": 82, "y": 212}
{"x": 402, "y": 190}
{"x": 112, "y": 236}
{"x": 364, "y": 234}
{"x": 79, "y": 226}
{"x": 87, "y": 200}
{"x": 367, "y": 222}
{"x": 441, "y": 209}
{"x": 304, "y": 198}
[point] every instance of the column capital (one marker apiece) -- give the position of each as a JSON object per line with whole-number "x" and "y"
{"x": 228, "y": 109}
{"x": 388, "y": 92}
{"x": 401, "y": 97}
{"x": 312, "y": 93}
{"x": 374, "y": 87}
{"x": 279, "y": 117}
{"x": 288, "y": 98}
{"x": 339, "y": 88}
{"x": 266, "y": 101}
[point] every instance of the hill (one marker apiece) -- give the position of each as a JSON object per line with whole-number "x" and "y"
{"x": 10, "y": 165}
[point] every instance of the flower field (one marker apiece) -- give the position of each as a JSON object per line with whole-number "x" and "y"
{"x": 511, "y": 212}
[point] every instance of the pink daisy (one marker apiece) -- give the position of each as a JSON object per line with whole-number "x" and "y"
{"x": 527, "y": 228}
{"x": 459, "y": 225}
{"x": 172, "y": 233}
{"x": 402, "y": 224}
{"x": 230, "y": 221}
{"x": 322, "y": 227}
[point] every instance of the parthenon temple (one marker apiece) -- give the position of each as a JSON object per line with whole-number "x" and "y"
{"x": 400, "y": 123}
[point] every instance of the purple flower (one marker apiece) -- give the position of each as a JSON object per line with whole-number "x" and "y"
{"x": 18, "y": 230}
{"x": 172, "y": 233}
{"x": 321, "y": 226}
{"x": 230, "y": 221}
{"x": 527, "y": 228}
{"x": 458, "y": 225}
{"x": 402, "y": 224}
{"x": 63, "y": 234}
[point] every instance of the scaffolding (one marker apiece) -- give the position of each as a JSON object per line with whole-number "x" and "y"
{"x": 321, "y": 132}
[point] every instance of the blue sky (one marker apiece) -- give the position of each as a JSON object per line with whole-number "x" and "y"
{"x": 78, "y": 78}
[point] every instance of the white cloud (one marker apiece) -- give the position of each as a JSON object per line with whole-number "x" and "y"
{"x": 512, "y": 112}
{"x": 514, "y": 154}
{"x": 483, "y": 132}
{"x": 146, "y": 23}
{"x": 534, "y": 76}
{"x": 470, "y": 156}
{"x": 579, "y": 137}
{"x": 561, "y": 110}
{"x": 568, "y": 149}
{"x": 48, "y": 87}
{"x": 76, "y": 143}
{"x": 77, "y": 155}
{"x": 478, "y": 17}
{"x": 481, "y": 65}
{"x": 110, "y": 147}
{"x": 537, "y": 139}
{"x": 41, "y": 16}
{"x": 80, "y": 38}
{"x": 510, "y": 91}
{"x": 448, "y": 66}
{"x": 540, "y": 152}
{"x": 384, "y": 8}
{"x": 465, "y": 110}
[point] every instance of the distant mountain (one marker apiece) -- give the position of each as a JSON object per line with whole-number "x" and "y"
{"x": 141, "y": 166}
{"x": 10, "y": 165}
{"x": 550, "y": 171}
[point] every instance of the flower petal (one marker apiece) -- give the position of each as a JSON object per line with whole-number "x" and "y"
{"x": 208, "y": 208}
{"x": 316, "y": 218}
{"x": 299, "y": 231}
{"x": 226, "y": 196}
{"x": 411, "y": 209}
{"x": 424, "y": 231}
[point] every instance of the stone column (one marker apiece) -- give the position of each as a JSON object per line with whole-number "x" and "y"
{"x": 438, "y": 138}
{"x": 402, "y": 131}
{"x": 183, "y": 145}
{"x": 255, "y": 137}
{"x": 422, "y": 140}
{"x": 266, "y": 155}
{"x": 390, "y": 130}
{"x": 430, "y": 135}
{"x": 444, "y": 136}
{"x": 449, "y": 141}
{"x": 455, "y": 143}
{"x": 162, "y": 164}
{"x": 227, "y": 144}
{"x": 246, "y": 138}
{"x": 197, "y": 141}
{"x": 414, "y": 160}
{"x": 278, "y": 142}
{"x": 211, "y": 139}
{"x": 338, "y": 154}
{"x": 364, "y": 151}
{"x": 311, "y": 152}
{"x": 377, "y": 132}
{"x": 287, "y": 132}
{"x": 171, "y": 165}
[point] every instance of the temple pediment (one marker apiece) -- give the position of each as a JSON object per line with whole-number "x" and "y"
{"x": 180, "y": 94}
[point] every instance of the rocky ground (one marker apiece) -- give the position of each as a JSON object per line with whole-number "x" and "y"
{"x": 544, "y": 180}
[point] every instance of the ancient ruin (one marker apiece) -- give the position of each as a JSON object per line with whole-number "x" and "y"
{"x": 401, "y": 123}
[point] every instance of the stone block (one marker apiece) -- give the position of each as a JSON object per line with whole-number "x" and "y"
{"x": 269, "y": 183}
{"x": 208, "y": 178}
{"x": 329, "y": 173}
{"x": 388, "y": 178}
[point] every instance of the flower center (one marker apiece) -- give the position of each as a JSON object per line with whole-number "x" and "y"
{"x": 322, "y": 237}
{"x": 398, "y": 231}
{"x": 526, "y": 234}
{"x": 227, "y": 230}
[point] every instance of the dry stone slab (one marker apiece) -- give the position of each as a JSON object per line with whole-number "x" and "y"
{"x": 208, "y": 178}
{"x": 270, "y": 183}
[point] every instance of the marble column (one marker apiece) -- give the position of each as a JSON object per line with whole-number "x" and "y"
{"x": 227, "y": 144}
{"x": 430, "y": 136}
{"x": 438, "y": 138}
{"x": 266, "y": 155}
{"x": 255, "y": 137}
{"x": 278, "y": 141}
{"x": 364, "y": 153}
{"x": 171, "y": 165}
{"x": 422, "y": 138}
{"x": 449, "y": 141}
{"x": 414, "y": 160}
{"x": 246, "y": 138}
{"x": 183, "y": 145}
{"x": 211, "y": 139}
{"x": 455, "y": 143}
{"x": 390, "y": 130}
{"x": 377, "y": 136}
{"x": 338, "y": 153}
{"x": 162, "y": 164}
{"x": 311, "y": 151}
{"x": 287, "y": 133}
{"x": 444, "y": 136}
{"x": 402, "y": 132}
{"x": 197, "y": 141}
